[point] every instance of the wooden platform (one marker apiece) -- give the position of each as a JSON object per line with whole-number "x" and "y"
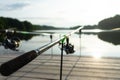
{"x": 46, "y": 67}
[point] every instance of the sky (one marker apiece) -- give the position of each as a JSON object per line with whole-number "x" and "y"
{"x": 60, "y": 13}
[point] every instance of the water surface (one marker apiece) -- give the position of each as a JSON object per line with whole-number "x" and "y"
{"x": 87, "y": 45}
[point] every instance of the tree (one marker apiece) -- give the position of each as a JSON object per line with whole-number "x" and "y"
{"x": 27, "y": 26}
{"x": 110, "y": 23}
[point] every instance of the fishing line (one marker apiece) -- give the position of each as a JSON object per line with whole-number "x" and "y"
{"x": 51, "y": 40}
{"x": 79, "y": 57}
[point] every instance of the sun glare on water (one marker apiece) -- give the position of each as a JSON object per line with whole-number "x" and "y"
{"x": 96, "y": 56}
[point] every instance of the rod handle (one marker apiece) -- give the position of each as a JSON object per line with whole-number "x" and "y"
{"x": 13, "y": 65}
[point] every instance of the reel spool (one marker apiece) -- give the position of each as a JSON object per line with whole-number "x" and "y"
{"x": 68, "y": 47}
{"x": 12, "y": 43}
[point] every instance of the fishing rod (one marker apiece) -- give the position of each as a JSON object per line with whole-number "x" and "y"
{"x": 12, "y": 31}
{"x": 11, "y": 41}
{"x": 13, "y": 65}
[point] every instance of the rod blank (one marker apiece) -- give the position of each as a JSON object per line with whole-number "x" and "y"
{"x": 13, "y": 65}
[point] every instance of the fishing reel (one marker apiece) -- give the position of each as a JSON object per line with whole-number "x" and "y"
{"x": 68, "y": 47}
{"x": 11, "y": 41}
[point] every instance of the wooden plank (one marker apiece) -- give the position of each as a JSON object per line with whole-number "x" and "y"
{"x": 46, "y": 67}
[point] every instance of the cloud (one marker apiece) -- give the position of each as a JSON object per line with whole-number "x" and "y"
{"x": 14, "y": 6}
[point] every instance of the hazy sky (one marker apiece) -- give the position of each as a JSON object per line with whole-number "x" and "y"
{"x": 60, "y": 13}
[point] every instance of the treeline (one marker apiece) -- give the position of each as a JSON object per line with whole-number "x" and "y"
{"x": 43, "y": 27}
{"x": 6, "y": 23}
{"x": 108, "y": 23}
{"x": 85, "y": 27}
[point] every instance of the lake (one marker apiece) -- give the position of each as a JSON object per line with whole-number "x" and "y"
{"x": 87, "y": 45}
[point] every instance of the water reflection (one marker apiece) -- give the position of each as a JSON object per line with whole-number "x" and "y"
{"x": 112, "y": 37}
{"x": 12, "y": 41}
{"x": 90, "y": 45}
{"x": 21, "y": 36}
{"x": 94, "y": 46}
